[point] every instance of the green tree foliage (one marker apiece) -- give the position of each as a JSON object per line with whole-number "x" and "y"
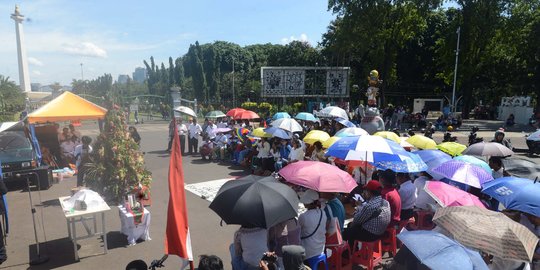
{"x": 11, "y": 99}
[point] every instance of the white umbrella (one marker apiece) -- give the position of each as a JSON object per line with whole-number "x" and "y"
{"x": 185, "y": 110}
{"x": 351, "y": 131}
{"x": 488, "y": 149}
{"x": 288, "y": 124}
{"x": 333, "y": 111}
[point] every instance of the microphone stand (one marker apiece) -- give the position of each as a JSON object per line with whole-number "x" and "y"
{"x": 40, "y": 259}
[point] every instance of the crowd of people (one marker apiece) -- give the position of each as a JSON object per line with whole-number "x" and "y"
{"x": 382, "y": 200}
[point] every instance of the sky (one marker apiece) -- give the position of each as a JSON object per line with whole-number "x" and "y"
{"x": 116, "y": 36}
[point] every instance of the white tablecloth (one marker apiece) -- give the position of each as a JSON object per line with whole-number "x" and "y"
{"x": 132, "y": 231}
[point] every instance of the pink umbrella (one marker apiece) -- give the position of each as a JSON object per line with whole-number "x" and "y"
{"x": 447, "y": 195}
{"x": 318, "y": 176}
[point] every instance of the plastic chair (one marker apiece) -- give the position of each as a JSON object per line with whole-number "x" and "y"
{"x": 389, "y": 242}
{"x": 340, "y": 258}
{"x": 369, "y": 255}
{"x": 424, "y": 220}
{"x": 314, "y": 261}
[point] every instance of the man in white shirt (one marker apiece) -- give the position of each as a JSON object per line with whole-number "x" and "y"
{"x": 312, "y": 224}
{"x": 423, "y": 199}
{"x": 407, "y": 193}
{"x": 68, "y": 147}
{"x": 210, "y": 130}
{"x": 194, "y": 130}
{"x": 222, "y": 140}
{"x": 181, "y": 130}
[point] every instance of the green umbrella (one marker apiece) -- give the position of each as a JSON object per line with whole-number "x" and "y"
{"x": 215, "y": 114}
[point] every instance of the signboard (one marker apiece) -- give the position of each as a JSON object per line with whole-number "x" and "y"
{"x": 336, "y": 82}
{"x": 305, "y": 81}
{"x": 279, "y": 82}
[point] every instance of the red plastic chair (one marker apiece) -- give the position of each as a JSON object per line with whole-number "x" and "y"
{"x": 369, "y": 255}
{"x": 389, "y": 242}
{"x": 424, "y": 220}
{"x": 340, "y": 258}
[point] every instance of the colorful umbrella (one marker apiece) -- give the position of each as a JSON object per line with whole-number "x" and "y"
{"x": 318, "y": 176}
{"x": 332, "y": 112}
{"x": 185, "y": 110}
{"x": 474, "y": 161}
{"x": 248, "y": 115}
{"x": 255, "y": 202}
{"x": 354, "y": 131}
{"x": 367, "y": 148}
{"x": 259, "y": 132}
{"x": 280, "y": 115}
{"x": 452, "y": 148}
{"x": 488, "y": 231}
{"x": 434, "y": 250}
{"x": 316, "y": 135}
{"x": 233, "y": 112}
{"x": 492, "y": 149}
{"x": 278, "y": 132}
{"x": 515, "y": 193}
{"x": 330, "y": 141}
{"x": 463, "y": 172}
{"x": 287, "y": 124}
{"x": 241, "y": 134}
{"x": 447, "y": 195}
{"x": 306, "y": 117}
{"x": 345, "y": 122}
{"x": 215, "y": 114}
{"x": 405, "y": 162}
{"x": 422, "y": 142}
{"x": 388, "y": 135}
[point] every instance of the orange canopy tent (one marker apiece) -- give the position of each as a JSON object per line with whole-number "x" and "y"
{"x": 67, "y": 107}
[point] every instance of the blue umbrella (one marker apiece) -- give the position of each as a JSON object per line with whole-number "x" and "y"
{"x": 515, "y": 193}
{"x": 280, "y": 115}
{"x": 433, "y": 158}
{"x": 306, "y": 117}
{"x": 367, "y": 148}
{"x": 437, "y": 251}
{"x": 353, "y": 131}
{"x": 474, "y": 161}
{"x": 407, "y": 162}
{"x": 278, "y": 132}
{"x": 345, "y": 122}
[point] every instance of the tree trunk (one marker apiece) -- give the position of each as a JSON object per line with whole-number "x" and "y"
{"x": 467, "y": 99}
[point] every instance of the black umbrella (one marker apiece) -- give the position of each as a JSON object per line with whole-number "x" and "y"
{"x": 522, "y": 168}
{"x": 255, "y": 201}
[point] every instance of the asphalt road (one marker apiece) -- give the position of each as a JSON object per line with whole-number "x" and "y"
{"x": 207, "y": 235}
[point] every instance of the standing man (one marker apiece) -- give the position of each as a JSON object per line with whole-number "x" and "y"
{"x": 194, "y": 132}
{"x": 407, "y": 194}
{"x": 181, "y": 130}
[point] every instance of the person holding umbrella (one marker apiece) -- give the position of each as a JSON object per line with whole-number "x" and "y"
{"x": 390, "y": 194}
{"x": 312, "y": 224}
{"x": 371, "y": 217}
{"x": 248, "y": 246}
{"x": 496, "y": 164}
{"x": 407, "y": 194}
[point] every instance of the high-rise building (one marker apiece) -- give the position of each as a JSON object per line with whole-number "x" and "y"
{"x": 139, "y": 75}
{"x": 123, "y": 78}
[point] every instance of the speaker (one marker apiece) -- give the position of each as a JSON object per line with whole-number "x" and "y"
{"x": 45, "y": 177}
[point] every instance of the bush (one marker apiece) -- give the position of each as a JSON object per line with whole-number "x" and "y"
{"x": 265, "y": 107}
{"x": 298, "y": 107}
{"x": 252, "y": 106}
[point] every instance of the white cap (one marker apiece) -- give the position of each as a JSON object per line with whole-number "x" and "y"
{"x": 309, "y": 196}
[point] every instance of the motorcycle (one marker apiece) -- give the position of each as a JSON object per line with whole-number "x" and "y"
{"x": 533, "y": 142}
{"x": 449, "y": 138}
{"x": 473, "y": 137}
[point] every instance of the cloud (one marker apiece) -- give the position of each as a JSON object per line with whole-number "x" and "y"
{"x": 85, "y": 49}
{"x": 286, "y": 40}
{"x": 35, "y": 62}
{"x": 36, "y": 72}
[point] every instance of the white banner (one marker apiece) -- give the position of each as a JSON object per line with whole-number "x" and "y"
{"x": 279, "y": 82}
{"x": 336, "y": 82}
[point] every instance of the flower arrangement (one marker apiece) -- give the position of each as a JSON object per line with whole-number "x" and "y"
{"x": 118, "y": 164}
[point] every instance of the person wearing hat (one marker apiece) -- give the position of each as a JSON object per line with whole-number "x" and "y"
{"x": 371, "y": 217}
{"x": 312, "y": 225}
{"x": 499, "y": 138}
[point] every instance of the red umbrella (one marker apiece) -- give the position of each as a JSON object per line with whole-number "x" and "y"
{"x": 246, "y": 115}
{"x": 234, "y": 111}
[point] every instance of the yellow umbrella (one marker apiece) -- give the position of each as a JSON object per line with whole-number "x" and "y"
{"x": 452, "y": 148}
{"x": 259, "y": 132}
{"x": 330, "y": 141}
{"x": 316, "y": 135}
{"x": 388, "y": 135}
{"x": 422, "y": 142}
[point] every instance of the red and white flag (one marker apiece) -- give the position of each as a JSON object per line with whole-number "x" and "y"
{"x": 177, "y": 239}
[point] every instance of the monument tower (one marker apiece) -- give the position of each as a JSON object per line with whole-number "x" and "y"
{"x": 24, "y": 79}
